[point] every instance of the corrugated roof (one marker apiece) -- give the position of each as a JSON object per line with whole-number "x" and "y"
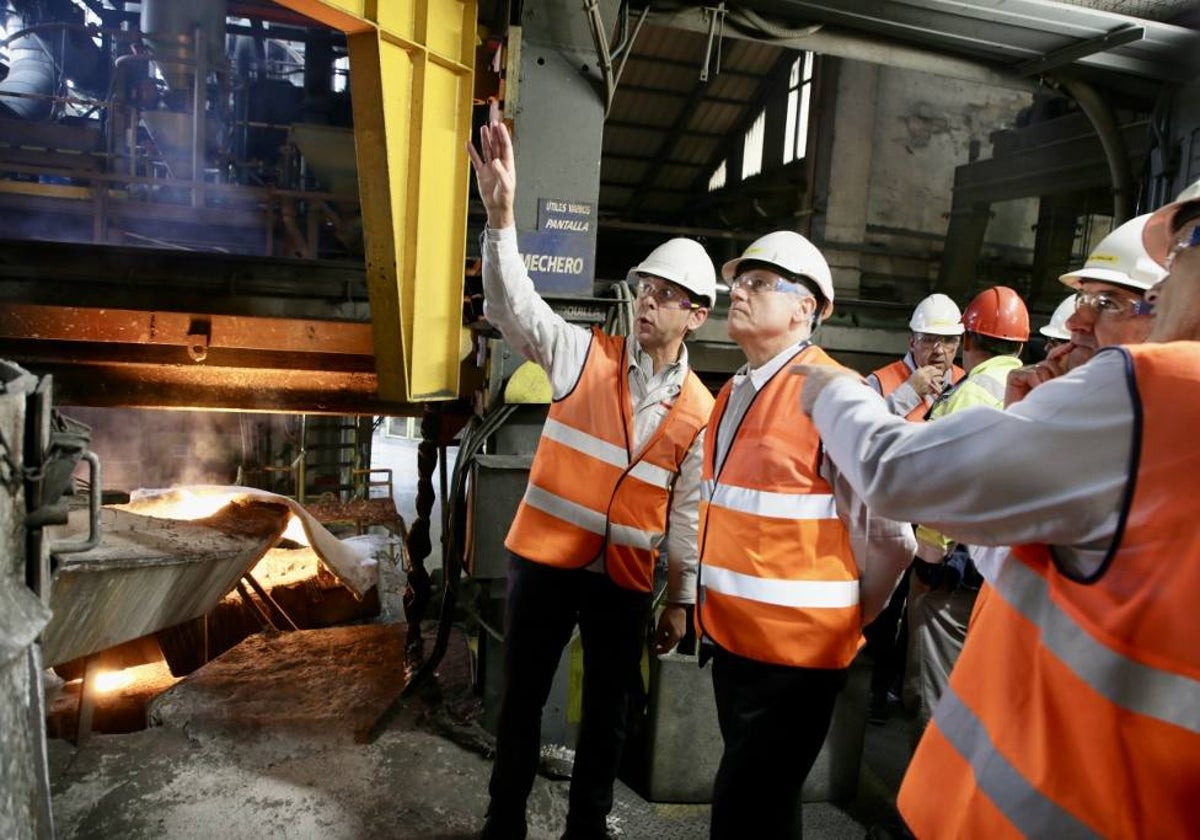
{"x": 667, "y": 130}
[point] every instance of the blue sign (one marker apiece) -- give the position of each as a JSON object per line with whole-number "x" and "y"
{"x": 559, "y": 262}
{"x": 560, "y": 255}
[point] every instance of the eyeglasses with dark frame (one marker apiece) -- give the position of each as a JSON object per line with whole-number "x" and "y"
{"x": 665, "y": 295}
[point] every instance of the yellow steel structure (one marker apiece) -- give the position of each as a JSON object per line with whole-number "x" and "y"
{"x": 411, "y": 79}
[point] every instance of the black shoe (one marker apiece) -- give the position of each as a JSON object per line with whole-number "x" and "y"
{"x": 510, "y": 828}
{"x": 588, "y": 831}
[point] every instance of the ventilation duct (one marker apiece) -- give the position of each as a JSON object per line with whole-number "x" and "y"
{"x": 32, "y": 75}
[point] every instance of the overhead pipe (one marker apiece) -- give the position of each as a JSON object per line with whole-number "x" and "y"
{"x": 600, "y": 39}
{"x": 872, "y": 50}
{"x": 1097, "y": 110}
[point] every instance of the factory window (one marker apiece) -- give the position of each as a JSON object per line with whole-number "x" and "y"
{"x": 718, "y": 178}
{"x": 341, "y": 73}
{"x": 752, "y": 148}
{"x": 405, "y": 428}
{"x": 795, "y": 138}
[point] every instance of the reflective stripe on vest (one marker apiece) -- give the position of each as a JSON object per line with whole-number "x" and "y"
{"x": 1074, "y": 709}
{"x": 778, "y": 582}
{"x": 784, "y": 593}
{"x": 1033, "y": 814}
{"x": 585, "y": 493}
{"x": 765, "y": 503}
{"x": 590, "y": 445}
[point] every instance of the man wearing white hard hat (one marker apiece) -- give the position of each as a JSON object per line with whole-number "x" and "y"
{"x": 1056, "y": 332}
{"x": 615, "y": 478}
{"x": 1074, "y": 709}
{"x": 791, "y": 563}
{"x": 1110, "y": 305}
{"x": 910, "y": 385}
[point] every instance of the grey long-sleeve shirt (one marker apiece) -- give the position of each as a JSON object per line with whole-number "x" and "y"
{"x": 1052, "y": 468}
{"x": 540, "y": 334}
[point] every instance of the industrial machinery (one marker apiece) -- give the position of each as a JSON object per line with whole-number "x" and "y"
{"x": 262, "y": 207}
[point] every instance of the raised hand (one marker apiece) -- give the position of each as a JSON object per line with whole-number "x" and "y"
{"x": 495, "y": 174}
{"x": 1058, "y": 361}
{"x": 928, "y": 381}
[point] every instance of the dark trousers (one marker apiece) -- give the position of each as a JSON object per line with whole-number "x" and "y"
{"x": 544, "y": 605}
{"x": 887, "y": 643}
{"x": 773, "y": 720}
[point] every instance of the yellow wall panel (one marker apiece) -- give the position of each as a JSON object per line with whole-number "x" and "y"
{"x": 412, "y": 117}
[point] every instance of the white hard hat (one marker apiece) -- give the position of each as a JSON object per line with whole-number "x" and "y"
{"x": 1120, "y": 259}
{"x": 795, "y": 255}
{"x": 683, "y": 262}
{"x": 1158, "y": 237}
{"x": 936, "y": 315}
{"x": 1057, "y": 328}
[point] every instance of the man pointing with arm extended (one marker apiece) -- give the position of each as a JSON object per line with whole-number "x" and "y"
{"x": 616, "y": 476}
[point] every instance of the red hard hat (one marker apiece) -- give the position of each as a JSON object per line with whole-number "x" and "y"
{"x": 998, "y": 312}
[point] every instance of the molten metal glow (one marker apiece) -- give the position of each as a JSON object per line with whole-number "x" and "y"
{"x": 199, "y": 502}
{"x": 107, "y": 681}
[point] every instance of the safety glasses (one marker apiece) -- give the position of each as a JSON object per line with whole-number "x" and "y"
{"x": 1190, "y": 239}
{"x": 1112, "y": 305}
{"x": 930, "y": 340}
{"x": 756, "y": 283}
{"x": 666, "y": 295}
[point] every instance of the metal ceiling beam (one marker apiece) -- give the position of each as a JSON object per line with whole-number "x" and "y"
{"x": 691, "y": 65}
{"x": 842, "y": 44}
{"x": 1122, "y": 35}
{"x": 183, "y": 330}
{"x": 644, "y": 159}
{"x": 656, "y": 129}
{"x": 1070, "y": 164}
{"x": 678, "y": 94}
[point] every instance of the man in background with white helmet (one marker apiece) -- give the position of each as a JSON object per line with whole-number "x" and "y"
{"x": 1110, "y": 305}
{"x": 616, "y": 476}
{"x": 792, "y": 565}
{"x": 1056, "y": 333}
{"x": 910, "y": 385}
{"x": 1073, "y": 710}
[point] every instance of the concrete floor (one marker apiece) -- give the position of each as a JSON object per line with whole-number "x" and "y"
{"x": 273, "y": 755}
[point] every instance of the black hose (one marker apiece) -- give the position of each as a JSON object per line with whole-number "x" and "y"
{"x": 473, "y": 439}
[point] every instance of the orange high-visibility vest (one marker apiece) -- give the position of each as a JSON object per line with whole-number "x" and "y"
{"x": 587, "y": 490}
{"x": 778, "y": 581}
{"x": 896, "y": 374}
{"x": 1074, "y": 709}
